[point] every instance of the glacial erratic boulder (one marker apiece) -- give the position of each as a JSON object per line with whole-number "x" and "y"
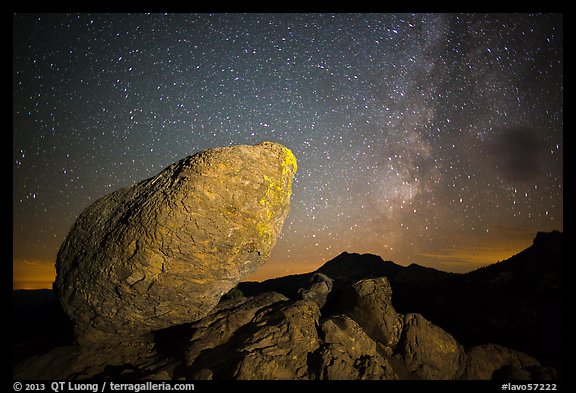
{"x": 163, "y": 251}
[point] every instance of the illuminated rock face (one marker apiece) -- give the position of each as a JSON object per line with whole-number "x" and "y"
{"x": 163, "y": 251}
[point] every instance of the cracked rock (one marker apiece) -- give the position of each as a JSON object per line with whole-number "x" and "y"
{"x": 163, "y": 251}
{"x": 348, "y": 353}
{"x": 275, "y": 344}
{"x": 369, "y": 303}
{"x": 430, "y": 352}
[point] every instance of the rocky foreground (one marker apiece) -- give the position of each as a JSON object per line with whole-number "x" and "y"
{"x": 270, "y": 336}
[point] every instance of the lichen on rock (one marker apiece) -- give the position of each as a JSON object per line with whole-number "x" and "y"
{"x": 163, "y": 251}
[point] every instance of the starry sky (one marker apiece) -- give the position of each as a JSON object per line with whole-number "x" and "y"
{"x": 434, "y": 139}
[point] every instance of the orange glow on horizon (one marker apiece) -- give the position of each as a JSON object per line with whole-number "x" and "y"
{"x": 470, "y": 256}
{"x": 40, "y": 274}
{"x": 274, "y": 269}
{"x": 463, "y": 261}
{"x": 33, "y": 274}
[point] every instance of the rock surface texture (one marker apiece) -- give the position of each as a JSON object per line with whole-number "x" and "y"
{"x": 369, "y": 302}
{"x": 271, "y": 336}
{"x": 349, "y": 354}
{"x": 163, "y": 251}
{"x": 484, "y": 360}
{"x": 428, "y": 351}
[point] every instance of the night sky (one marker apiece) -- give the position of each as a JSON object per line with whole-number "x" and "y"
{"x": 428, "y": 138}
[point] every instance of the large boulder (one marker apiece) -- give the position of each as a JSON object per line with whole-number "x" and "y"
{"x": 163, "y": 251}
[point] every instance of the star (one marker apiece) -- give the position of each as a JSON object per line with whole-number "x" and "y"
{"x": 419, "y": 137}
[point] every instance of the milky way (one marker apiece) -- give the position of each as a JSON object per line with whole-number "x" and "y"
{"x": 427, "y": 138}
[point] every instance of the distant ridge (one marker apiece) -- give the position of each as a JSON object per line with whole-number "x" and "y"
{"x": 516, "y": 302}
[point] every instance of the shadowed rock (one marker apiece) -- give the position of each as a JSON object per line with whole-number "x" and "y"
{"x": 484, "y": 360}
{"x": 217, "y": 328}
{"x": 163, "y": 251}
{"x": 281, "y": 343}
{"x": 348, "y": 353}
{"x": 428, "y": 351}
{"x": 369, "y": 303}
{"x": 318, "y": 289}
{"x": 275, "y": 344}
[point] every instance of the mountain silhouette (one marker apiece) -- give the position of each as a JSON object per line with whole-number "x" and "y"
{"x": 515, "y": 303}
